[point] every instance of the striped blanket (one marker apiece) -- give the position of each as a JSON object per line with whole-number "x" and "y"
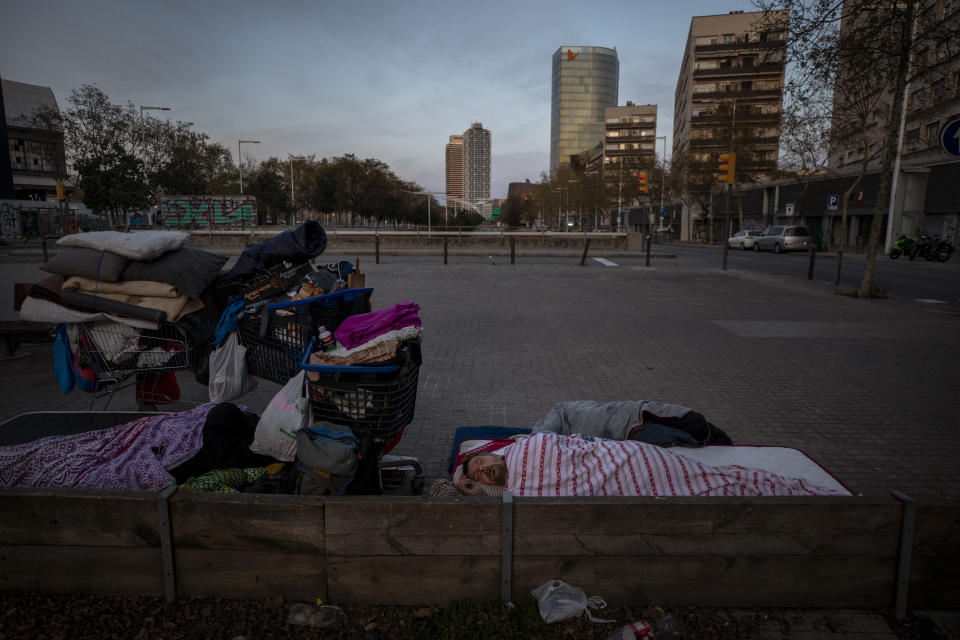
{"x": 548, "y": 464}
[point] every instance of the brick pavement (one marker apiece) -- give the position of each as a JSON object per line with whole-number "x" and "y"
{"x": 866, "y": 387}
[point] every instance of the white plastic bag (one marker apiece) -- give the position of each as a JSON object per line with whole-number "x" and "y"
{"x": 287, "y": 413}
{"x": 229, "y": 377}
{"x": 558, "y": 601}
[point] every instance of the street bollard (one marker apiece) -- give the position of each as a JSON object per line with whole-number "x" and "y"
{"x": 43, "y": 242}
{"x": 377, "y": 247}
{"x": 649, "y": 239}
{"x": 586, "y": 247}
{"x": 444, "y": 251}
{"x": 813, "y": 258}
{"x": 513, "y": 250}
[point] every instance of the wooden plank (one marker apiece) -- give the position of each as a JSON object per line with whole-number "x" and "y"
{"x": 254, "y": 522}
{"x": 71, "y": 569}
{"x": 758, "y": 581}
{"x": 79, "y": 517}
{"x": 938, "y": 528}
{"x": 411, "y": 581}
{"x": 934, "y": 583}
{"x": 414, "y": 527}
{"x": 246, "y": 575}
{"x": 688, "y": 527}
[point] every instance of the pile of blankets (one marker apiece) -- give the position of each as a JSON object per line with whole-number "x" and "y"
{"x": 372, "y": 337}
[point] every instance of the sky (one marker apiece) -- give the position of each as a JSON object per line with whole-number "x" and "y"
{"x": 384, "y": 79}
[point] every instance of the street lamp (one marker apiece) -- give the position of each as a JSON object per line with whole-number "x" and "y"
{"x": 663, "y": 171}
{"x": 240, "y": 159}
{"x": 143, "y": 132}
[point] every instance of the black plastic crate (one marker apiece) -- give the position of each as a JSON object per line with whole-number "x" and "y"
{"x": 378, "y": 399}
{"x": 276, "y": 343}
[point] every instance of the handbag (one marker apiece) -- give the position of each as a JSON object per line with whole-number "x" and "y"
{"x": 229, "y": 378}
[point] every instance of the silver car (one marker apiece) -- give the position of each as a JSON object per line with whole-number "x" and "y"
{"x": 743, "y": 240}
{"x": 783, "y": 238}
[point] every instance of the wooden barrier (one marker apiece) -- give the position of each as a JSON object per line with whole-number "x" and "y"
{"x": 717, "y": 552}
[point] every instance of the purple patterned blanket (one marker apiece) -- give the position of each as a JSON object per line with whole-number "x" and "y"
{"x": 134, "y": 456}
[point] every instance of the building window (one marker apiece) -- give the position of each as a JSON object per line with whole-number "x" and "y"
{"x": 912, "y": 137}
{"x": 917, "y": 100}
{"x": 938, "y": 91}
{"x": 931, "y": 132}
{"x": 728, "y": 38}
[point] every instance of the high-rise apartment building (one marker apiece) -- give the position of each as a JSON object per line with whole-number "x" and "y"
{"x": 730, "y": 93}
{"x": 585, "y": 82}
{"x": 476, "y": 164}
{"x": 454, "y": 166}
{"x": 629, "y": 142}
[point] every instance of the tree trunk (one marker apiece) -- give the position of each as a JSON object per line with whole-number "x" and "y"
{"x": 890, "y": 149}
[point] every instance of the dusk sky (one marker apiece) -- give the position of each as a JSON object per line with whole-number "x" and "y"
{"x": 390, "y": 80}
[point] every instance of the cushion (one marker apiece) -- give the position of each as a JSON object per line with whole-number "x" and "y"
{"x": 141, "y": 245}
{"x": 89, "y": 263}
{"x": 189, "y": 270}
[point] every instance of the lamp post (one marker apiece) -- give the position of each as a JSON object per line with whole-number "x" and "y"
{"x": 293, "y": 202}
{"x": 240, "y": 159}
{"x": 663, "y": 170}
{"x": 143, "y": 133}
{"x": 560, "y": 204}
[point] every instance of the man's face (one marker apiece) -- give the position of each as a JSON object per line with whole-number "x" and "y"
{"x": 488, "y": 469}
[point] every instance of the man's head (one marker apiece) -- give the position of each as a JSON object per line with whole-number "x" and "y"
{"x": 487, "y": 468}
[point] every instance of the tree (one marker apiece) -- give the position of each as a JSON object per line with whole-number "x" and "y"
{"x": 184, "y": 162}
{"x": 862, "y": 50}
{"x": 112, "y": 183}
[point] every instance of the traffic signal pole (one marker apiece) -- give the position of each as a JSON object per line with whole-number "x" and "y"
{"x": 728, "y": 168}
{"x": 726, "y": 226}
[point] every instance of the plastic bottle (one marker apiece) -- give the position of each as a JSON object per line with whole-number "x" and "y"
{"x": 657, "y": 629}
{"x": 327, "y": 343}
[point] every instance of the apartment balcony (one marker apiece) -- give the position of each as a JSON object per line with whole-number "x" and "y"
{"x": 741, "y": 45}
{"x": 744, "y": 117}
{"x": 741, "y": 70}
{"x": 709, "y": 143}
{"x": 732, "y": 95}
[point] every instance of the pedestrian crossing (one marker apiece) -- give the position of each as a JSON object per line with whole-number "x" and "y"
{"x": 606, "y": 263}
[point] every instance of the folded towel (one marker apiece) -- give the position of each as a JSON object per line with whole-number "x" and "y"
{"x": 355, "y": 330}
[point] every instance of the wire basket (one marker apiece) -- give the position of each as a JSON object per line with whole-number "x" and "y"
{"x": 277, "y": 338}
{"x": 113, "y": 349}
{"x": 377, "y": 399}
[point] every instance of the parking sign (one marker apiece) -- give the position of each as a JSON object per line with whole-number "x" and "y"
{"x": 833, "y": 202}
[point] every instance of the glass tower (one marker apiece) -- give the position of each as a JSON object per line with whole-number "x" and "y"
{"x": 585, "y": 82}
{"x": 476, "y": 164}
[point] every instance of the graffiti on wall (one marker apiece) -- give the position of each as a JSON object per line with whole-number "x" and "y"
{"x": 29, "y": 219}
{"x": 208, "y": 211}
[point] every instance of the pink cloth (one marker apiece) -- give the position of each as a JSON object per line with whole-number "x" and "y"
{"x": 135, "y": 455}
{"x": 358, "y": 329}
{"x": 548, "y": 464}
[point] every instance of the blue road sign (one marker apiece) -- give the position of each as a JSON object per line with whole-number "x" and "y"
{"x": 833, "y": 202}
{"x": 950, "y": 138}
{"x": 663, "y": 213}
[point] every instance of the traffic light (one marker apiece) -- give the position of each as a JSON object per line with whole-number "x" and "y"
{"x": 642, "y": 179}
{"x": 727, "y": 167}
{"x": 60, "y": 195}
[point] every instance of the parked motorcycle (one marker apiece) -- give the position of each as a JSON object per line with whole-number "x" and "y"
{"x": 924, "y": 247}
{"x": 943, "y": 249}
{"x": 903, "y": 245}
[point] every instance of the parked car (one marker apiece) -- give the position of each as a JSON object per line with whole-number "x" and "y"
{"x": 783, "y": 238}
{"x": 743, "y": 240}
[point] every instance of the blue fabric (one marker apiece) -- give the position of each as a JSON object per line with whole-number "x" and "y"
{"x": 63, "y": 360}
{"x": 480, "y": 433}
{"x": 228, "y": 321}
{"x": 662, "y": 436}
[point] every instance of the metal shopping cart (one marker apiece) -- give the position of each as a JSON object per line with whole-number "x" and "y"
{"x": 277, "y": 336}
{"x": 116, "y": 355}
{"x": 378, "y": 400}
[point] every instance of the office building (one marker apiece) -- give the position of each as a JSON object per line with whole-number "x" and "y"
{"x": 585, "y": 82}
{"x": 36, "y": 155}
{"x": 454, "y": 172}
{"x": 476, "y": 164}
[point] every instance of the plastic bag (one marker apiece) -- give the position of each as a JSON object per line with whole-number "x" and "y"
{"x": 287, "y": 413}
{"x": 229, "y": 377}
{"x": 63, "y": 360}
{"x": 558, "y": 601}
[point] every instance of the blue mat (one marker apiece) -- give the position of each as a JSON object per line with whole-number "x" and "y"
{"x": 480, "y": 433}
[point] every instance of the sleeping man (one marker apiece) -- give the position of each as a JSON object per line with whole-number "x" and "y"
{"x": 550, "y": 464}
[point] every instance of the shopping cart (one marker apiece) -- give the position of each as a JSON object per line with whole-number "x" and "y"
{"x": 118, "y": 355}
{"x": 371, "y": 399}
{"x": 277, "y": 335}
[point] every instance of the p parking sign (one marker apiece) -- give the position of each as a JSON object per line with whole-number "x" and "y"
{"x": 833, "y": 202}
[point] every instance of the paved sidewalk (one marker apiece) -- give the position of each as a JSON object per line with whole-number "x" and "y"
{"x": 869, "y": 388}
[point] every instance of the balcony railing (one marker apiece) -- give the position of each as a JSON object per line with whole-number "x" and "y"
{"x": 730, "y": 95}
{"x": 747, "y": 69}
{"x": 741, "y": 117}
{"x": 742, "y": 44}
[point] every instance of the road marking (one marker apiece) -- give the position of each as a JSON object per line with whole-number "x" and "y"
{"x": 930, "y": 300}
{"x": 605, "y": 262}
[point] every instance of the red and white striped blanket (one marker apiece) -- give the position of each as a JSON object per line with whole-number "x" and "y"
{"x": 548, "y": 464}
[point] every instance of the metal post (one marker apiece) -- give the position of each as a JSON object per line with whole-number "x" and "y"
{"x": 586, "y": 248}
{"x": 240, "y": 165}
{"x": 513, "y": 250}
{"x": 445, "y": 250}
{"x": 813, "y": 258}
{"x": 907, "y": 528}
{"x": 648, "y": 249}
{"x": 376, "y": 241}
{"x": 43, "y": 243}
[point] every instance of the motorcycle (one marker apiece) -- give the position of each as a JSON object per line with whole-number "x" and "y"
{"x": 924, "y": 247}
{"x": 942, "y": 249}
{"x": 903, "y": 245}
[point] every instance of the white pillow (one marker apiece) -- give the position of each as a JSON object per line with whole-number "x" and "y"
{"x": 137, "y": 245}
